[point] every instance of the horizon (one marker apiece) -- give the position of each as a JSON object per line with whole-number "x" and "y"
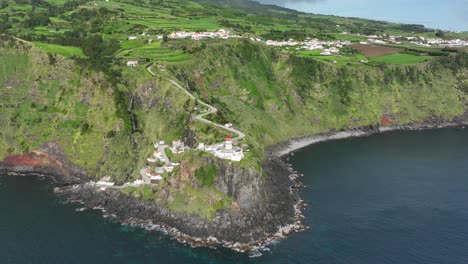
{"x": 436, "y": 14}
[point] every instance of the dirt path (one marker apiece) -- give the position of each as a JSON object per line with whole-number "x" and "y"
{"x": 211, "y": 108}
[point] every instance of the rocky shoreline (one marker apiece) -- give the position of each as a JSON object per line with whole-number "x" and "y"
{"x": 244, "y": 230}
{"x": 267, "y": 207}
{"x": 270, "y": 207}
{"x": 284, "y": 148}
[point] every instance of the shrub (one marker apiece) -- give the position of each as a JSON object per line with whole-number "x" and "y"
{"x": 206, "y": 175}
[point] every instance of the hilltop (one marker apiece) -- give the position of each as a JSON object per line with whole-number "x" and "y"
{"x": 125, "y": 92}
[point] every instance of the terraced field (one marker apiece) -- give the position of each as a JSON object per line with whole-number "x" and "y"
{"x": 153, "y": 52}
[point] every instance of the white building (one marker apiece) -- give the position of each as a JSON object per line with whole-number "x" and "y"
{"x": 105, "y": 181}
{"x": 132, "y": 63}
{"x": 132, "y": 38}
{"x": 152, "y": 160}
{"x": 201, "y": 146}
{"x": 228, "y": 143}
{"x": 325, "y": 52}
{"x": 138, "y": 182}
{"x": 155, "y": 179}
{"x": 169, "y": 168}
{"x": 227, "y": 151}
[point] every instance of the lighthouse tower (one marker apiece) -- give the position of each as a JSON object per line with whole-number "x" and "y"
{"x": 228, "y": 143}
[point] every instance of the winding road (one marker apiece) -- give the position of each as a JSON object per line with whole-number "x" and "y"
{"x": 211, "y": 108}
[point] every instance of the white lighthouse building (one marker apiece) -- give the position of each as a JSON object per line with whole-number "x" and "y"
{"x": 228, "y": 143}
{"x": 227, "y": 151}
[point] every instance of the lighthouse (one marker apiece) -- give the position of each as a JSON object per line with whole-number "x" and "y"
{"x": 228, "y": 143}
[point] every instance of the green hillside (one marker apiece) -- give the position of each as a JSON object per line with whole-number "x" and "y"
{"x": 64, "y": 78}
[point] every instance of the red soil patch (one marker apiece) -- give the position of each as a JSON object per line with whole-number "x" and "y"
{"x": 35, "y": 158}
{"x": 22, "y": 160}
{"x": 373, "y": 50}
{"x": 385, "y": 121}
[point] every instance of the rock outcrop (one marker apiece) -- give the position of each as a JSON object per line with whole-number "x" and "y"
{"x": 48, "y": 160}
{"x": 265, "y": 202}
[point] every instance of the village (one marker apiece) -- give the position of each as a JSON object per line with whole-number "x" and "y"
{"x": 158, "y": 163}
{"x": 415, "y": 40}
{"x": 326, "y": 48}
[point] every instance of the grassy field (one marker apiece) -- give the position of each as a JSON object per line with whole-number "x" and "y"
{"x": 349, "y": 59}
{"x": 66, "y": 51}
{"x": 401, "y": 58}
{"x": 136, "y": 49}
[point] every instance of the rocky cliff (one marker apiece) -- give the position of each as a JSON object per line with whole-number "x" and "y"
{"x": 264, "y": 203}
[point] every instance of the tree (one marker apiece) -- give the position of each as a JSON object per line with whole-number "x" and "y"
{"x": 100, "y": 53}
{"x": 440, "y": 34}
{"x": 3, "y": 3}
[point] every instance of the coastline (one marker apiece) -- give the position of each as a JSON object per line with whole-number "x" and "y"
{"x": 284, "y": 148}
{"x": 227, "y": 229}
{"x": 224, "y": 230}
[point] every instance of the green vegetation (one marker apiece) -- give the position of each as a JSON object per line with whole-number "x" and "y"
{"x": 154, "y": 52}
{"x": 145, "y": 192}
{"x": 206, "y": 175}
{"x": 401, "y": 58}
{"x": 66, "y": 51}
{"x": 274, "y": 96}
{"x": 203, "y": 202}
{"x": 65, "y": 107}
{"x": 72, "y": 86}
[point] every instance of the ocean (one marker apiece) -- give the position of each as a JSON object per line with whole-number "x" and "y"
{"x": 398, "y": 197}
{"x": 438, "y": 14}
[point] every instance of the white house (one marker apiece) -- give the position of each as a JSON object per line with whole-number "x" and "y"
{"x": 105, "y": 181}
{"x": 177, "y": 143}
{"x": 201, "y": 146}
{"x": 325, "y": 52}
{"x": 152, "y": 160}
{"x": 178, "y": 146}
{"x": 132, "y": 38}
{"x": 155, "y": 179}
{"x": 169, "y": 168}
{"x": 132, "y": 63}
{"x": 138, "y": 182}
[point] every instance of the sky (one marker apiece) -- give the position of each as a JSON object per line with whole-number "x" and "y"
{"x": 441, "y": 14}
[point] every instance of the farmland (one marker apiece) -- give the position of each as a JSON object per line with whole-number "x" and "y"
{"x": 374, "y": 50}
{"x": 401, "y": 58}
{"x": 60, "y": 27}
{"x": 152, "y": 51}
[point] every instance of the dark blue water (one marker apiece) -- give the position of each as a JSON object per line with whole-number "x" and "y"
{"x": 394, "y": 198}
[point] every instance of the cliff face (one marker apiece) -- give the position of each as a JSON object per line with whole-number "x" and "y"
{"x": 275, "y": 95}
{"x": 270, "y": 96}
{"x": 254, "y": 191}
{"x": 49, "y": 160}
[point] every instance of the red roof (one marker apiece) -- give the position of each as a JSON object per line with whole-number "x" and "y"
{"x": 228, "y": 137}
